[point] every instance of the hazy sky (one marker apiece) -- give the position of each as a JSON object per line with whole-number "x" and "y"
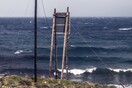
{"x": 85, "y": 8}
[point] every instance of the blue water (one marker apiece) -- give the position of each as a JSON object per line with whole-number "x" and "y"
{"x": 100, "y": 49}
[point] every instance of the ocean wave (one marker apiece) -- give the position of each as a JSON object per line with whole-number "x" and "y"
{"x": 76, "y": 48}
{"x": 21, "y": 51}
{"x": 125, "y": 29}
{"x": 18, "y": 51}
{"x": 88, "y": 58}
{"x": 105, "y": 27}
{"x": 30, "y": 22}
{"x": 79, "y": 71}
{"x": 72, "y": 46}
{"x": 100, "y": 49}
{"x": 95, "y": 70}
{"x": 87, "y": 23}
{"x": 43, "y": 27}
{"x": 121, "y": 70}
{"x": 2, "y": 75}
{"x": 119, "y": 86}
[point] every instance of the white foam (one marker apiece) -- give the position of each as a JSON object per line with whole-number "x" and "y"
{"x": 86, "y": 23}
{"x": 76, "y": 80}
{"x": 55, "y": 74}
{"x": 121, "y": 70}
{"x": 2, "y": 75}
{"x": 125, "y": 29}
{"x": 72, "y": 46}
{"x": 21, "y": 51}
{"x": 79, "y": 71}
{"x": 30, "y": 22}
{"x": 44, "y": 27}
{"x": 91, "y": 70}
{"x": 105, "y": 27}
{"x": 119, "y": 86}
{"x": 18, "y": 51}
{"x": 74, "y": 71}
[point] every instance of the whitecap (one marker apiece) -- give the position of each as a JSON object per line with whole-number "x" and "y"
{"x": 55, "y": 74}
{"x": 79, "y": 71}
{"x": 120, "y": 86}
{"x": 30, "y": 22}
{"x": 125, "y": 29}
{"x": 74, "y": 71}
{"x": 44, "y": 27}
{"x": 86, "y": 23}
{"x": 105, "y": 27}
{"x": 91, "y": 70}
{"x": 22, "y": 51}
{"x": 72, "y": 46}
{"x": 18, "y": 51}
{"x": 121, "y": 70}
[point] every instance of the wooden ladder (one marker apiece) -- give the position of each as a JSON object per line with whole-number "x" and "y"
{"x": 60, "y": 26}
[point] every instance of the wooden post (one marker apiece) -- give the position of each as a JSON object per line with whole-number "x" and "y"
{"x": 67, "y": 58}
{"x": 55, "y": 54}
{"x": 35, "y": 42}
{"x": 64, "y": 47}
{"x": 52, "y": 44}
{"x": 67, "y": 44}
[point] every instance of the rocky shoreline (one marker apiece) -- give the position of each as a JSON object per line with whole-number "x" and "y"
{"x": 15, "y": 81}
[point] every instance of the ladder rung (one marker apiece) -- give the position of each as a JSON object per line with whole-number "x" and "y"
{"x": 59, "y": 32}
{"x": 60, "y": 24}
{"x": 60, "y": 14}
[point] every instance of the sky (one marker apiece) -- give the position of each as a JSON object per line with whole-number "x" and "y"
{"x": 78, "y": 8}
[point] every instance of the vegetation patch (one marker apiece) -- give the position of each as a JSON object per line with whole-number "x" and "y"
{"x": 14, "y": 81}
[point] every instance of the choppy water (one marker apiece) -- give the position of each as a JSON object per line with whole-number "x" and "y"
{"x": 100, "y": 49}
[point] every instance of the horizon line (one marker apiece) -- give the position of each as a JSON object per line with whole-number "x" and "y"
{"x": 71, "y": 17}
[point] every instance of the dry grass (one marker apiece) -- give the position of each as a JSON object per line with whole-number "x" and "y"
{"x": 15, "y": 81}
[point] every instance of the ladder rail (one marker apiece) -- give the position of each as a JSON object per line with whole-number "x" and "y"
{"x": 52, "y": 44}
{"x": 64, "y": 47}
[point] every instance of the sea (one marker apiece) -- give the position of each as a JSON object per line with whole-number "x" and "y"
{"x": 99, "y": 50}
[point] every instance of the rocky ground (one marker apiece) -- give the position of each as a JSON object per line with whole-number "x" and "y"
{"x": 14, "y": 81}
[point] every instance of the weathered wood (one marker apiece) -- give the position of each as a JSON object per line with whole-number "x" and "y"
{"x": 35, "y": 41}
{"x": 52, "y": 43}
{"x": 61, "y": 15}
{"x": 67, "y": 46}
{"x": 64, "y": 46}
{"x": 60, "y": 26}
{"x": 55, "y": 55}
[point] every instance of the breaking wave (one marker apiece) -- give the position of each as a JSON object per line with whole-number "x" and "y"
{"x": 95, "y": 70}
{"x": 119, "y": 86}
{"x": 21, "y": 51}
{"x": 43, "y": 27}
{"x": 125, "y": 29}
{"x": 121, "y": 70}
{"x": 80, "y": 71}
{"x": 18, "y": 51}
